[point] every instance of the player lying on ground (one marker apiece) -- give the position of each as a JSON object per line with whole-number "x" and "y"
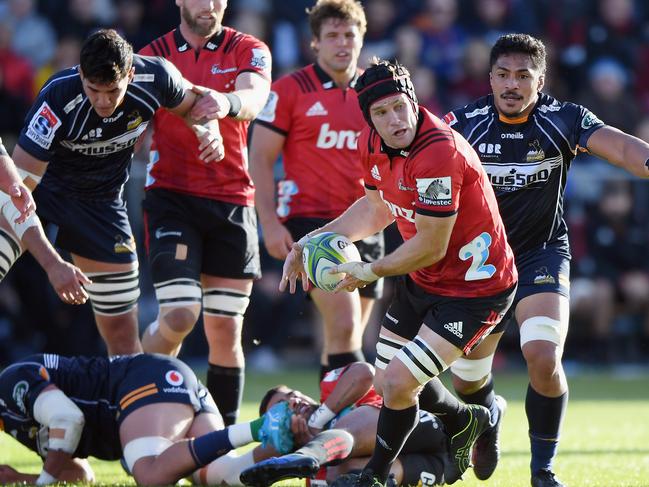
{"x": 148, "y": 410}
{"x": 348, "y": 403}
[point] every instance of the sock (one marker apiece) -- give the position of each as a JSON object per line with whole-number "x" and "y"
{"x": 544, "y": 416}
{"x": 329, "y": 446}
{"x": 429, "y": 436}
{"x": 209, "y": 447}
{"x": 437, "y": 399}
{"x": 337, "y": 360}
{"x": 392, "y": 430}
{"x": 244, "y": 433}
{"x": 226, "y": 386}
{"x": 484, "y": 397}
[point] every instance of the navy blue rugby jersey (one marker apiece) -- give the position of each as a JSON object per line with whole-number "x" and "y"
{"x": 89, "y": 156}
{"x": 528, "y": 162}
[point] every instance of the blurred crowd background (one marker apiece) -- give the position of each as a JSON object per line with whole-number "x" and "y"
{"x": 598, "y": 56}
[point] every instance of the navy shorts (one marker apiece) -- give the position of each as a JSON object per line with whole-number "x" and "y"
{"x": 542, "y": 270}
{"x": 462, "y": 321}
{"x": 371, "y": 248}
{"x": 97, "y": 230}
{"x": 188, "y": 236}
{"x": 153, "y": 379}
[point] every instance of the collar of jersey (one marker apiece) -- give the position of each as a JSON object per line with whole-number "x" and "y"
{"x": 326, "y": 81}
{"x": 212, "y": 44}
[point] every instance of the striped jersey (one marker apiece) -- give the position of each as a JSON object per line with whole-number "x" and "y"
{"x": 321, "y": 123}
{"x": 440, "y": 175}
{"x": 527, "y": 163}
{"x": 89, "y": 156}
{"x": 174, "y": 163}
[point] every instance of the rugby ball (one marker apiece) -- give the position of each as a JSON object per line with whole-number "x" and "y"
{"x": 323, "y": 251}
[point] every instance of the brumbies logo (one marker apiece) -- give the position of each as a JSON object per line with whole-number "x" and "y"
{"x": 543, "y": 276}
{"x": 534, "y": 152}
{"x": 134, "y": 120}
{"x": 589, "y": 120}
{"x": 124, "y": 245}
{"x": 18, "y": 394}
{"x": 174, "y": 378}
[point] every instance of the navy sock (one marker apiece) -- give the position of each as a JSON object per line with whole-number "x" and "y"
{"x": 226, "y": 386}
{"x": 392, "y": 431}
{"x": 209, "y": 447}
{"x": 544, "y": 416}
{"x": 337, "y": 360}
{"x": 484, "y": 397}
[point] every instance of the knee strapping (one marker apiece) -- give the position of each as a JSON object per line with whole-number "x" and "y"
{"x": 421, "y": 360}
{"x": 178, "y": 292}
{"x": 541, "y": 328}
{"x": 472, "y": 370}
{"x": 10, "y": 250}
{"x": 113, "y": 293}
{"x": 147, "y": 446}
{"x": 386, "y": 349}
{"x": 225, "y": 302}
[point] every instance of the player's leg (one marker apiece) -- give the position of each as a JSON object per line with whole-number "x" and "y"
{"x": 10, "y": 247}
{"x": 230, "y": 264}
{"x": 174, "y": 250}
{"x": 543, "y": 320}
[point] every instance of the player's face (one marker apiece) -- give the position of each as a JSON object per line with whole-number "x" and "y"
{"x": 515, "y": 84}
{"x": 299, "y": 403}
{"x": 203, "y": 17}
{"x": 395, "y": 120}
{"x": 339, "y": 45}
{"x": 105, "y": 98}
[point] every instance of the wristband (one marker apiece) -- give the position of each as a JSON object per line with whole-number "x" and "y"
{"x": 45, "y": 478}
{"x": 235, "y": 104}
{"x": 321, "y": 417}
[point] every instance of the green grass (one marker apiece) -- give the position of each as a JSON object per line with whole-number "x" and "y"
{"x": 605, "y": 440}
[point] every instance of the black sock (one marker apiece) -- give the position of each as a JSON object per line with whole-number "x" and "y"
{"x": 392, "y": 430}
{"x": 226, "y": 386}
{"x": 484, "y": 397}
{"x": 544, "y": 416}
{"x": 337, "y": 360}
{"x": 437, "y": 399}
{"x": 429, "y": 436}
{"x": 329, "y": 446}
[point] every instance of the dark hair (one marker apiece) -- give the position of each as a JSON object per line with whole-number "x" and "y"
{"x": 519, "y": 44}
{"x": 263, "y": 404}
{"x": 382, "y": 79}
{"x": 106, "y": 57}
{"x": 345, "y": 10}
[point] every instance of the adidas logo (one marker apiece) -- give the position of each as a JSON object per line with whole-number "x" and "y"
{"x": 375, "y": 172}
{"x": 454, "y": 327}
{"x": 316, "y": 110}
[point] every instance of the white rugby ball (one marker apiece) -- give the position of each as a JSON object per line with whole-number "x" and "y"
{"x": 323, "y": 251}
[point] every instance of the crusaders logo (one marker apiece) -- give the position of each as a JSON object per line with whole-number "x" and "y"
{"x": 174, "y": 378}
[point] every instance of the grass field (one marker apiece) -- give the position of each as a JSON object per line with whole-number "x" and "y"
{"x": 605, "y": 439}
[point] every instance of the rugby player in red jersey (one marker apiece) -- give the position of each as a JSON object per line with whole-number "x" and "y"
{"x": 312, "y": 118}
{"x": 201, "y": 225}
{"x": 458, "y": 274}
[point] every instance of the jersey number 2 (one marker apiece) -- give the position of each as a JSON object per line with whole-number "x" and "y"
{"x": 478, "y": 251}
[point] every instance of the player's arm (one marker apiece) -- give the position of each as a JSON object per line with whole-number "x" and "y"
{"x": 12, "y": 184}
{"x": 620, "y": 149}
{"x": 264, "y": 149}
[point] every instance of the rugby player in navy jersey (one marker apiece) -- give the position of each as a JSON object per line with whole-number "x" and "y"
{"x": 526, "y": 141}
{"x": 150, "y": 411}
{"x": 75, "y": 149}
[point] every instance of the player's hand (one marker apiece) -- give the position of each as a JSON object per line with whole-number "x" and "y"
{"x": 300, "y": 429}
{"x": 210, "y": 142}
{"x": 210, "y": 105}
{"x": 22, "y": 199}
{"x": 277, "y": 239}
{"x": 294, "y": 270}
{"x": 68, "y": 280}
{"x": 358, "y": 275}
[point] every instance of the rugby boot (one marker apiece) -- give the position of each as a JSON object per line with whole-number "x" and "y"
{"x": 365, "y": 478}
{"x": 476, "y": 421}
{"x": 545, "y": 478}
{"x": 486, "y": 450}
{"x": 267, "y": 472}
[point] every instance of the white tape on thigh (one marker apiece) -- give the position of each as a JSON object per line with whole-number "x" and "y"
{"x": 147, "y": 446}
{"x": 541, "y": 328}
{"x": 10, "y": 250}
{"x": 52, "y": 408}
{"x": 224, "y": 470}
{"x": 113, "y": 293}
{"x": 421, "y": 360}
{"x": 178, "y": 292}
{"x": 386, "y": 349}
{"x": 472, "y": 370}
{"x": 225, "y": 302}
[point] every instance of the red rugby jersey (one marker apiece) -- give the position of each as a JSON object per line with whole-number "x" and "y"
{"x": 174, "y": 162}
{"x": 321, "y": 123}
{"x": 440, "y": 175}
{"x": 330, "y": 381}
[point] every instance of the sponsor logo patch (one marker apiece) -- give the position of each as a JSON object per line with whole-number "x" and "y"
{"x": 435, "y": 191}
{"x": 43, "y": 126}
{"x": 589, "y": 120}
{"x": 317, "y": 110}
{"x": 260, "y": 59}
{"x": 450, "y": 119}
{"x": 174, "y": 378}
